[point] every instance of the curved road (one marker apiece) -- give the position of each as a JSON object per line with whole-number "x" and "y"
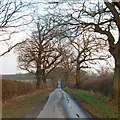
{"x": 61, "y": 105}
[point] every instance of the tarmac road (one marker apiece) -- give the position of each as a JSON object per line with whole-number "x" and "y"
{"x": 61, "y": 105}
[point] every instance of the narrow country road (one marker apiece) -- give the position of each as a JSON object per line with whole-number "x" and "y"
{"x": 61, "y": 105}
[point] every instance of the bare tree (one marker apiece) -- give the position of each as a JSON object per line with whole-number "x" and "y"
{"x": 10, "y": 13}
{"x": 41, "y": 53}
{"x": 86, "y": 48}
{"x": 104, "y": 18}
{"x": 14, "y": 15}
{"x": 107, "y": 21}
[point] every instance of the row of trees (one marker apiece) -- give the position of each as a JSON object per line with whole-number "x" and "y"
{"x": 53, "y": 46}
{"x": 67, "y": 37}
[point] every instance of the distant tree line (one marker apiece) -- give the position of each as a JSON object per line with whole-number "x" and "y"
{"x": 19, "y": 77}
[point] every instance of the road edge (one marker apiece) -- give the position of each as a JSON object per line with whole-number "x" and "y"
{"x": 88, "y": 113}
{"x": 35, "y": 111}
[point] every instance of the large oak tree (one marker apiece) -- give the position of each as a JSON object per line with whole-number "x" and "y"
{"x": 43, "y": 51}
{"x": 107, "y": 22}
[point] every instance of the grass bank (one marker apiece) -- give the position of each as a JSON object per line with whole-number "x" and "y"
{"x": 96, "y": 104}
{"x": 22, "y": 105}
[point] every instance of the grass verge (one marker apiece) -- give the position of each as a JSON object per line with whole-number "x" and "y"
{"x": 96, "y": 104}
{"x": 19, "y": 107}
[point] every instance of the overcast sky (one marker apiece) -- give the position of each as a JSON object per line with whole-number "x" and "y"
{"x": 8, "y": 63}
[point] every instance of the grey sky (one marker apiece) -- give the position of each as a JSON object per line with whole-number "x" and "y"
{"x": 8, "y": 63}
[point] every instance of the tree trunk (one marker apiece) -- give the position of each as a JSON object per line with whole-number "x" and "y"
{"x": 115, "y": 51}
{"x": 39, "y": 71}
{"x": 116, "y": 89}
{"x": 44, "y": 79}
{"x": 78, "y": 76}
{"x": 38, "y": 74}
{"x": 116, "y": 78}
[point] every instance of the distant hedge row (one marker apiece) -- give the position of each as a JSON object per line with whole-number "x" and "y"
{"x": 13, "y": 89}
{"x": 102, "y": 85}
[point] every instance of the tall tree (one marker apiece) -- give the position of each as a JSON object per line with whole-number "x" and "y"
{"x": 86, "y": 48}
{"x": 41, "y": 53}
{"x": 104, "y": 18}
{"x": 107, "y": 22}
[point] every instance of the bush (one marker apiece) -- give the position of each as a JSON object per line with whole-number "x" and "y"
{"x": 13, "y": 89}
{"x": 102, "y": 84}
{"x": 106, "y": 87}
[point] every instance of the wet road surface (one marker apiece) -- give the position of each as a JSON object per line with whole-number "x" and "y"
{"x": 61, "y": 105}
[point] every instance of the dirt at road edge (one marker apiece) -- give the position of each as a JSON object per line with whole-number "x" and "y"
{"x": 34, "y": 112}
